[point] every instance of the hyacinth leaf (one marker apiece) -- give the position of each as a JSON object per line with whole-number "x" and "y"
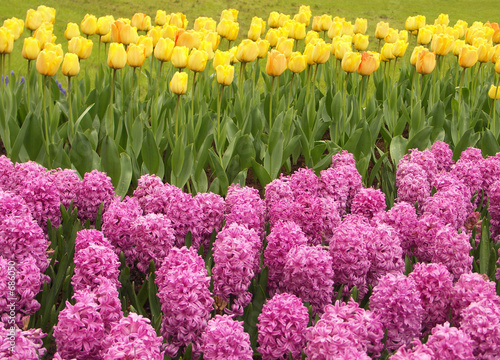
{"x": 154, "y": 302}
{"x": 398, "y": 148}
{"x": 110, "y": 160}
{"x": 80, "y": 153}
{"x": 484, "y": 248}
{"x": 188, "y": 241}
{"x": 408, "y": 265}
{"x": 339, "y": 293}
{"x": 125, "y": 175}
{"x": 188, "y": 353}
{"x": 98, "y": 219}
{"x": 469, "y": 138}
{"x": 489, "y": 145}
{"x": 142, "y": 295}
{"x": 263, "y": 276}
{"x": 355, "y": 293}
{"x": 420, "y": 140}
{"x": 376, "y": 169}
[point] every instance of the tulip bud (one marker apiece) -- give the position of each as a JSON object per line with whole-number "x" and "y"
{"x": 272, "y": 36}
{"x": 89, "y": 25}
{"x": 316, "y": 25}
{"x": 254, "y": 32}
{"x": 484, "y": 52}
{"x": 178, "y": 84}
{"x": 273, "y": 20}
{"x": 414, "y": 54}
{"x": 117, "y": 56}
{"x": 443, "y": 19}
{"x": 48, "y": 62}
{"x": 180, "y": 56}
{"x": 263, "y": 48}
{"x": 360, "y": 26}
{"x": 494, "y": 92}
{"x": 399, "y": 48}
{"x": 106, "y": 38}
{"x": 381, "y": 30}
{"x": 495, "y": 53}
{"x": 136, "y": 55}
{"x": 283, "y": 19}
{"x": 197, "y": 61}
{"x": 386, "y": 52}
{"x": 297, "y": 62}
{"x": 72, "y": 30}
{"x": 33, "y": 19}
{"x": 347, "y": 28}
{"x": 285, "y": 46}
{"x": 341, "y": 48}
{"x": 55, "y": 48}
{"x": 335, "y": 29}
{"x": 321, "y": 52}
{"x": 457, "y": 47}
{"x": 368, "y": 64}
{"x": 426, "y": 62}
{"x": 81, "y": 47}
{"x": 468, "y": 56}
{"x": 232, "y": 55}
{"x": 187, "y": 39}
{"x": 442, "y": 44}
{"x": 179, "y": 20}
{"x": 104, "y": 25}
{"x": 155, "y": 35}
{"x": 229, "y": 14}
{"x": 221, "y": 58}
{"x": 161, "y": 17}
{"x": 141, "y": 21}
{"x": 70, "y": 65}
{"x": 225, "y": 74}
{"x": 164, "y": 49}
{"x": 411, "y": 23}
{"x": 424, "y": 36}
{"x": 351, "y": 61}
{"x": 276, "y": 63}
{"x": 248, "y": 51}
{"x": 360, "y": 42}
{"x": 392, "y": 36}
{"x": 31, "y": 48}
{"x": 302, "y": 18}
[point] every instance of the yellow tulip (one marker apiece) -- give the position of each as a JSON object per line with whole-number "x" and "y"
{"x": 104, "y": 25}
{"x": 15, "y": 25}
{"x": 484, "y": 52}
{"x": 386, "y": 53}
{"x": 283, "y": 19}
{"x": 232, "y": 55}
{"x": 414, "y": 54}
{"x": 351, "y": 61}
{"x": 310, "y": 36}
{"x": 48, "y": 13}
{"x": 494, "y": 92}
{"x": 136, "y": 55}
{"x": 321, "y": 52}
{"x": 273, "y": 19}
{"x": 399, "y": 48}
{"x": 207, "y": 48}
{"x": 411, "y": 23}
{"x": 495, "y": 53}
{"x": 169, "y": 32}
{"x": 335, "y": 29}
{"x": 6, "y": 41}
{"x": 341, "y": 48}
{"x": 308, "y": 53}
{"x": 33, "y": 19}
{"x": 316, "y": 25}
{"x": 457, "y": 47}
{"x": 461, "y": 26}
{"x": 347, "y": 28}
{"x": 381, "y": 30}
{"x": 89, "y": 25}
{"x": 213, "y": 38}
{"x": 272, "y": 36}
{"x": 368, "y": 64}
{"x": 299, "y": 31}
{"x": 302, "y": 18}
{"x": 392, "y": 36}
{"x": 230, "y": 14}
{"x": 197, "y": 61}
{"x": 221, "y": 58}
{"x": 326, "y": 22}
{"x": 297, "y": 62}
{"x": 305, "y": 9}
{"x": 426, "y": 62}
{"x": 285, "y": 46}
{"x": 55, "y": 48}
{"x": 228, "y": 29}
{"x": 141, "y": 21}
{"x": 180, "y": 56}
{"x": 161, "y": 17}
{"x": 80, "y": 46}
{"x": 468, "y": 56}
{"x": 442, "y": 44}
{"x": 225, "y": 74}
{"x": 497, "y": 66}
{"x": 117, "y": 56}
{"x": 106, "y": 38}
{"x": 259, "y": 23}
{"x": 187, "y": 39}
{"x": 155, "y": 35}
{"x": 360, "y": 42}
{"x": 164, "y": 49}
{"x": 424, "y": 36}
{"x": 254, "y": 31}
{"x": 31, "y": 48}
{"x": 48, "y": 62}
{"x": 403, "y": 35}
{"x": 44, "y": 36}
{"x": 276, "y": 63}
{"x": 420, "y": 21}
{"x": 263, "y": 48}
{"x": 179, "y": 20}
{"x": 147, "y": 42}
{"x": 70, "y": 65}
{"x": 123, "y": 33}
{"x": 442, "y": 19}
{"x": 72, "y": 30}
{"x": 360, "y": 26}
{"x": 248, "y": 51}
{"x": 179, "y": 83}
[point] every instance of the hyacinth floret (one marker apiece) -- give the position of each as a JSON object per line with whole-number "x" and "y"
{"x": 425, "y": 159}
{"x": 283, "y": 236}
{"x": 368, "y": 202}
{"x": 396, "y": 301}
{"x": 468, "y": 168}
{"x": 490, "y": 171}
{"x": 245, "y": 207}
{"x": 148, "y": 194}
{"x": 12, "y": 204}
{"x": 434, "y": 284}
{"x": 6, "y": 170}
{"x": 277, "y": 190}
{"x": 304, "y": 181}
{"x": 95, "y": 189}
{"x": 308, "y": 274}
{"x": 66, "y": 181}
{"x": 425, "y": 238}
{"x": 412, "y": 183}
{"x": 449, "y": 206}
{"x": 443, "y": 155}
{"x": 133, "y": 337}
{"x": 85, "y": 237}
{"x": 282, "y": 327}
{"x": 183, "y": 289}
{"x": 117, "y": 225}
{"x": 225, "y": 338}
{"x": 494, "y": 208}
{"x": 210, "y": 209}
{"x": 28, "y": 344}
{"x": 153, "y": 237}
{"x": 24, "y": 173}
{"x": 450, "y": 343}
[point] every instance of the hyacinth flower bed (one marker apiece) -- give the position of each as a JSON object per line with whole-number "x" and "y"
{"x": 318, "y": 268}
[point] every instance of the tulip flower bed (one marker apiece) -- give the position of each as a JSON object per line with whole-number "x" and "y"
{"x": 318, "y": 266}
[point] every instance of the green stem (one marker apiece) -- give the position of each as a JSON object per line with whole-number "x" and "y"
{"x": 290, "y": 91}
{"x": 192, "y": 100}
{"x": 99, "y": 50}
{"x": 460, "y": 95}
{"x": 72, "y": 132}
{"x": 271, "y": 106}
{"x": 111, "y": 127}
{"x": 27, "y": 84}
{"x": 45, "y": 122}
{"x": 219, "y": 104}
{"x": 241, "y": 79}
{"x": 494, "y": 111}
{"x": 177, "y": 118}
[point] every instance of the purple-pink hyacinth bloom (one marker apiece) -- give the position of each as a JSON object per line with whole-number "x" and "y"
{"x": 282, "y": 327}
{"x": 28, "y": 344}
{"x": 452, "y": 250}
{"x": 148, "y": 194}
{"x": 224, "y": 338}
{"x": 368, "y": 202}
{"x": 443, "y": 155}
{"x": 95, "y": 189}
{"x": 245, "y": 207}
{"x": 210, "y": 209}
{"x": 450, "y": 343}
{"x": 66, "y": 181}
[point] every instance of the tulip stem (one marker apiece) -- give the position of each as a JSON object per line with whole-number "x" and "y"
{"x": 493, "y": 124}
{"x": 192, "y": 100}
{"x": 46, "y": 124}
{"x": 99, "y": 50}
{"x": 27, "y": 84}
{"x": 290, "y": 91}
{"x": 241, "y": 79}
{"x": 219, "y": 105}
{"x": 111, "y": 129}
{"x": 70, "y": 110}
{"x": 177, "y": 118}
{"x": 271, "y": 105}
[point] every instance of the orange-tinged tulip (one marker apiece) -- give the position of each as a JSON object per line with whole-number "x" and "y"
{"x": 442, "y": 44}
{"x": 33, "y": 19}
{"x": 104, "y": 25}
{"x": 273, "y": 19}
{"x": 164, "y": 49}
{"x": 392, "y": 36}
{"x": 360, "y": 26}
{"x": 31, "y": 48}
{"x": 399, "y": 48}
{"x": 117, "y": 56}
{"x": 426, "y": 62}
{"x": 424, "y": 36}
{"x": 381, "y": 30}
{"x": 285, "y": 46}
{"x": 187, "y": 39}
{"x": 484, "y": 52}
{"x": 70, "y": 65}
{"x": 351, "y": 61}
{"x": 321, "y": 52}
{"x": 341, "y": 48}
{"x": 297, "y": 62}
{"x": 442, "y": 19}
{"x": 180, "y": 57}
{"x": 136, "y": 55}
{"x": 368, "y": 64}
{"x": 72, "y": 30}
{"x": 179, "y": 20}
{"x": 386, "y": 53}
{"x": 89, "y": 25}
{"x": 468, "y": 56}
{"x": 197, "y": 61}
{"x": 48, "y": 13}
{"x": 147, "y": 42}
{"x": 124, "y": 33}
{"x": 221, "y": 58}
{"x": 414, "y": 54}
{"x": 360, "y": 42}
{"x": 179, "y": 83}
{"x": 494, "y": 92}
{"x": 6, "y": 40}
{"x": 225, "y": 74}
{"x": 347, "y": 28}
{"x": 276, "y": 63}
{"x": 248, "y": 51}
{"x": 335, "y": 29}
{"x": 161, "y": 17}
{"x": 141, "y": 21}
{"x": 48, "y": 62}
{"x": 263, "y": 48}
{"x": 15, "y": 25}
